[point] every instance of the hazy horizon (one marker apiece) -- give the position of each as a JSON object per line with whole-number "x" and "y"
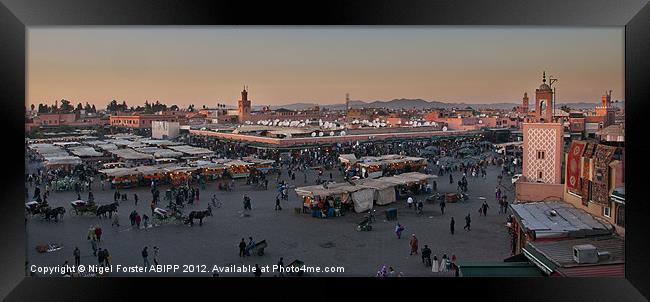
{"x": 209, "y": 65}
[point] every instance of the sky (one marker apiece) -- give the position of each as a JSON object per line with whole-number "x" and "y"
{"x": 282, "y": 65}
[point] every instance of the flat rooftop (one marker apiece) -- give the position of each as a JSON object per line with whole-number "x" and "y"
{"x": 556, "y": 219}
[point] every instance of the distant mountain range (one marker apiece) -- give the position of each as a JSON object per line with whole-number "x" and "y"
{"x": 415, "y": 104}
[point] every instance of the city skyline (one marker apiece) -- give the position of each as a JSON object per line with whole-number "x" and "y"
{"x": 209, "y": 65}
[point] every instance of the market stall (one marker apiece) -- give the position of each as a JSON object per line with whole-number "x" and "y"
{"x": 61, "y": 162}
{"x": 238, "y": 169}
{"x": 384, "y": 192}
{"x": 262, "y": 165}
{"x": 132, "y": 156}
{"x": 178, "y": 175}
{"x": 371, "y": 169}
{"x": 121, "y": 177}
{"x": 337, "y": 196}
{"x": 408, "y": 183}
{"x": 210, "y": 170}
{"x": 151, "y": 173}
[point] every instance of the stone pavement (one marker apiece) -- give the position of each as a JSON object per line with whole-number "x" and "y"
{"x": 317, "y": 242}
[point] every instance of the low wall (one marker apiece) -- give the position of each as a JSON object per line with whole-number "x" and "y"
{"x": 532, "y": 191}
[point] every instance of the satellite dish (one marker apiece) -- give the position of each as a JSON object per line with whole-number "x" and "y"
{"x": 313, "y": 134}
{"x": 320, "y": 133}
{"x": 444, "y": 128}
{"x": 332, "y": 133}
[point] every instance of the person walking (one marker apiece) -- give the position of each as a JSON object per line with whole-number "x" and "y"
{"x": 77, "y": 256}
{"x": 153, "y": 207}
{"x": 107, "y": 257}
{"x": 100, "y": 257}
{"x": 277, "y": 204}
{"x": 258, "y": 271}
{"x": 426, "y": 256}
{"x": 414, "y": 244}
{"x": 434, "y": 265}
{"x": 137, "y": 219}
{"x": 155, "y": 255}
{"x": 410, "y": 201}
{"x": 451, "y": 179}
{"x": 145, "y": 256}
{"x": 451, "y": 225}
{"x": 468, "y": 221}
{"x": 145, "y": 219}
{"x": 91, "y": 232}
{"x": 281, "y": 266}
{"x": 98, "y": 233}
{"x": 242, "y": 248}
{"x": 250, "y": 246}
{"x": 398, "y": 230}
{"x": 135, "y": 197}
{"x": 442, "y": 206}
{"x": 444, "y": 264}
{"x": 93, "y": 244}
{"x": 484, "y": 207}
{"x": 116, "y": 220}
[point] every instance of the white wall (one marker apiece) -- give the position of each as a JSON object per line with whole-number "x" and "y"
{"x": 164, "y": 130}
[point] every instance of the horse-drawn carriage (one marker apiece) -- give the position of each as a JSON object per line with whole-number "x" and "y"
{"x": 161, "y": 215}
{"x": 34, "y": 207}
{"x": 259, "y": 248}
{"x": 42, "y": 208}
{"x": 81, "y": 207}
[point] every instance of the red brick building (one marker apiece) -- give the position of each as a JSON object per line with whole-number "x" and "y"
{"x": 141, "y": 121}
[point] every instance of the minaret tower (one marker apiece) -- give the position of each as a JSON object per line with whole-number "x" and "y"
{"x": 544, "y": 102}
{"x": 524, "y": 103}
{"x": 244, "y": 106}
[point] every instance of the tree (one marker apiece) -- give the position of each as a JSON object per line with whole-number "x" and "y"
{"x": 565, "y": 108}
{"x": 65, "y": 106}
{"x": 147, "y": 107}
{"x": 79, "y": 107}
{"x": 112, "y": 106}
{"x": 94, "y": 110}
{"x": 87, "y": 107}
{"x": 32, "y": 106}
{"x": 173, "y": 108}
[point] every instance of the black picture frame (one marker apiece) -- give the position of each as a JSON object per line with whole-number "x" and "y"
{"x": 17, "y": 15}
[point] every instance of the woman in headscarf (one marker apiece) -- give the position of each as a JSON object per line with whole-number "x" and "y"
{"x": 443, "y": 263}
{"x": 434, "y": 264}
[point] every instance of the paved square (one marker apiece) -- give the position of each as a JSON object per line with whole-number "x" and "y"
{"x": 317, "y": 242}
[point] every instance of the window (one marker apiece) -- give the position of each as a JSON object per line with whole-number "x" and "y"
{"x": 539, "y": 174}
{"x": 620, "y": 216}
{"x": 607, "y": 211}
{"x": 540, "y": 154}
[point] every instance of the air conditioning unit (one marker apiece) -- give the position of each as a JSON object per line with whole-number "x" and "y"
{"x": 585, "y": 253}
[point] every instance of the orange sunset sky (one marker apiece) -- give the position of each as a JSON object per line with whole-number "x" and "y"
{"x": 282, "y": 65}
